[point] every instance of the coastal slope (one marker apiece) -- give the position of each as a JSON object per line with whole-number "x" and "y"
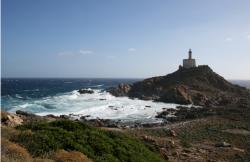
{"x": 198, "y": 85}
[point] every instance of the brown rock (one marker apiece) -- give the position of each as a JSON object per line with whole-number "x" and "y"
{"x": 11, "y": 120}
{"x": 148, "y": 138}
{"x": 164, "y": 153}
{"x": 238, "y": 149}
{"x": 173, "y": 133}
{"x": 121, "y": 90}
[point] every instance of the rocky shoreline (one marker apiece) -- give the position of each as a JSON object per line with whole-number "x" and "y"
{"x": 197, "y": 86}
{"x": 181, "y": 113}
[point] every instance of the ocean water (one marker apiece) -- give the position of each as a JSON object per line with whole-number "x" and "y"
{"x": 60, "y": 96}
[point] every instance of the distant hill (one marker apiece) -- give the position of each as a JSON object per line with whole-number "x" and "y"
{"x": 244, "y": 83}
{"x": 198, "y": 85}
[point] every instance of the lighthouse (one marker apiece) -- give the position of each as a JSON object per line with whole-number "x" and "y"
{"x": 190, "y": 62}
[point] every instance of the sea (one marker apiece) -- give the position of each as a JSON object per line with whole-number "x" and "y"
{"x": 61, "y": 97}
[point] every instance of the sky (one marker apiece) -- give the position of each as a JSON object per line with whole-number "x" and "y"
{"x": 123, "y": 38}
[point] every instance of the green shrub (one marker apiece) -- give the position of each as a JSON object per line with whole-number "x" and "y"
{"x": 99, "y": 145}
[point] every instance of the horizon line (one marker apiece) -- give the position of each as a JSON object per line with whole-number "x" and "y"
{"x": 93, "y": 78}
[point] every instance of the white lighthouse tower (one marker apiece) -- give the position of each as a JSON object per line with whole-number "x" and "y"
{"x": 189, "y": 63}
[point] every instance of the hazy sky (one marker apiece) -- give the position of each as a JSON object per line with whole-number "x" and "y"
{"x": 123, "y": 38}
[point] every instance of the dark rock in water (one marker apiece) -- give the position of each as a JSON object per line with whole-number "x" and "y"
{"x": 198, "y": 86}
{"x": 121, "y": 90}
{"x": 84, "y": 117}
{"x": 85, "y": 91}
{"x": 102, "y": 99}
{"x": 52, "y": 116}
{"x": 184, "y": 113}
{"x": 147, "y": 106}
{"x": 64, "y": 116}
{"x": 24, "y": 113}
{"x": 164, "y": 114}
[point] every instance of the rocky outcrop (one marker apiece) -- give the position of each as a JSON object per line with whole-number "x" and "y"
{"x": 121, "y": 90}
{"x": 11, "y": 120}
{"x": 182, "y": 113}
{"x": 199, "y": 86}
{"x": 25, "y": 113}
{"x": 85, "y": 91}
{"x": 179, "y": 94}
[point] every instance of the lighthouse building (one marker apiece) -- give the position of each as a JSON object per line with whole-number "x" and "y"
{"x": 189, "y": 63}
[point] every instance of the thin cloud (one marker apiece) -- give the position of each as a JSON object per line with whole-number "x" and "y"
{"x": 86, "y": 52}
{"x": 66, "y": 53}
{"x": 74, "y": 54}
{"x": 131, "y": 50}
{"x": 229, "y": 39}
{"x": 110, "y": 57}
{"x": 248, "y": 36}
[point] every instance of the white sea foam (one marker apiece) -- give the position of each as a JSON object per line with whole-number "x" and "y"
{"x": 18, "y": 96}
{"x": 100, "y": 104}
{"x": 67, "y": 82}
{"x": 27, "y": 90}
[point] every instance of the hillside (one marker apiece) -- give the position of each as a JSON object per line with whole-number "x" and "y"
{"x": 199, "y": 86}
{"x": 41, "y": 139}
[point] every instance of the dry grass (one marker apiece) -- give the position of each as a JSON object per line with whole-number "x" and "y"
{"x": 4, "y": 116}
{"x": 72, "y": 156}
{"x": 42, "y": 160}
{"x": 8, "y": 132}
{"x": 11, "y": 152}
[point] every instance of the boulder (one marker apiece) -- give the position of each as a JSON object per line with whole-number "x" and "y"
{"x": 164, "y": 153}
{"x": 11, "y": 120}
{"x": 222, "y": 144}
{"x": 184, "y": 113}
{"x": 85, "y": 91}
{"x": 121, "y": 90}
{"x": 64, "y": 116}
{"x": 148, "y": 138}
{"x": 24, "y": 113}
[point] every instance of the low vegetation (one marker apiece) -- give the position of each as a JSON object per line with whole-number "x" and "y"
{"x": 44, "y": 139}
{"x": 213, "y": 132}
{"x": 224, "y": 136}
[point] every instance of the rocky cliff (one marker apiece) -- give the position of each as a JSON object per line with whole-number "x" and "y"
{"x": 199, "y": 86}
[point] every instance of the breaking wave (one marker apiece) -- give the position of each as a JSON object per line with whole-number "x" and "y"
{"x": 100, "y": 104}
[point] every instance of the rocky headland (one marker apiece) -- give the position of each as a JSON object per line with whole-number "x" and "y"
{"x": 216, "y": 130}
{"x": 198, "y": 85}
